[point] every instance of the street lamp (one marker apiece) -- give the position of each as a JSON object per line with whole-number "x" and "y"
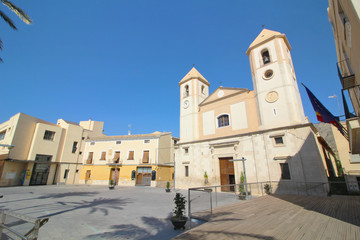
{"x": 334, "y": 96}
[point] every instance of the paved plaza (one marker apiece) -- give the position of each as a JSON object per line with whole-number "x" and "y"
{"x": 95, "y": 212}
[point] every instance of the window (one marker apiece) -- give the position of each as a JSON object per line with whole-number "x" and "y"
{"x": 186, "y": 171}
{"x": 186, "y": 92}
{"x": 146, "y": 141}
{"x": 285, "y": 171}
{"x": 153, "y": 175}
{"x": 43, "y": 158}
{"x": 203, "y": 89}
{"x": 49, "y": 135}
{"x": 90, "y": 158}
{"x": 118, "y": 142}
{"x": 92, "y": 143}
{"x": 146, "y": 157}
{"x": 223, "y": 120}
{"x": 74, "y": 147}
{"x": 131, "y": 155}
{"x": 103, "y": 156}
{"x": 2, "y": 135}
{"x": 116, "y": 158}
{"x": 133, "y": 174}
{"x": 186, "y": 150}
{"x": 265, "y": 56}
{"x": 278, "y": 140}
{"x": 66, "y": 173}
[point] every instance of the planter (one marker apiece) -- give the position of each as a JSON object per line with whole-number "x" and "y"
{"x": 167, "y": 190}
{"x": 242, "y": 197}
{"x": 179, "y": 223}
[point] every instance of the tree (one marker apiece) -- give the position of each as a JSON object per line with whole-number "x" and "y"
{"x": 18, "y": 11}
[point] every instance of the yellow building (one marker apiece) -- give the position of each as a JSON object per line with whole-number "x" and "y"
{"x": 36, "y": 152}
{"x": 145, "y": 159}
{"x": 344, "y": 17}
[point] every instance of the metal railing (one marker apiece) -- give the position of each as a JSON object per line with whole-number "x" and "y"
{"x": 202, "y": 200}
{"x": 15, "y": 224}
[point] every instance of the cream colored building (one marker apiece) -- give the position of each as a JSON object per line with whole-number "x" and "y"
{"x": 36, "y": 152}
{"x": 344, "y": 17}
{"x": 266, "y": 126}
{"x": 144, "y": 159}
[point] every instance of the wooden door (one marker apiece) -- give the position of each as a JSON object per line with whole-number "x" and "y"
{"x": 87, "y": 176}
{"x": 112, "y": 175}
{"x": 227, "y": 175}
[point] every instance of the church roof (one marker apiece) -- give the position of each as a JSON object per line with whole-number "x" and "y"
{"x": 267, "y": 35}
{"x": 194, "y": 73}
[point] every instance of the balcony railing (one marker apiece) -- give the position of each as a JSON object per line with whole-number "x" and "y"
{"x": 346, "y": 74}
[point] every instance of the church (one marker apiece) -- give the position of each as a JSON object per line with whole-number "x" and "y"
{"x": 266, "y": 126}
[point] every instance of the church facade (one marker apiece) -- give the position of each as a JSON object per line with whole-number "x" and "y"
{"x": 266, "y": 126}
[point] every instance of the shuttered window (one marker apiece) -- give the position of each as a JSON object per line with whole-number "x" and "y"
{"x": 103, "y": 156}
{"x": 131, "y": 155}
{"x": 90, "y": 158}
{"x": 116, "y": 157}
{"x": 146, "y": 157}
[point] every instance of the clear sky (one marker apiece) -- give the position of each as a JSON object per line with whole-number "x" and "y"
{"x": 120, "y": 61}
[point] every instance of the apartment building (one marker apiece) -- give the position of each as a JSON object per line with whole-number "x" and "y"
{"x": 37, "y": 152}
{"x": 344, "y": 17}
{"x": 129, "y": 160}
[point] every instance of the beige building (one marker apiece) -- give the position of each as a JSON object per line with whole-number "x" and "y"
{"x": 145, "y": 159}
{"x": 36, "y": 152}
{"x": 266, "y": 126}
{"x": 344, "y": 17}
{"x": 343, "y": 164}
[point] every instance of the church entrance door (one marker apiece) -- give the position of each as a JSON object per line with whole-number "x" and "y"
{"x": 227, "y": 174}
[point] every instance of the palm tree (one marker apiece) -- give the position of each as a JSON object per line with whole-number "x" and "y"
{"x": 18, "y": 11}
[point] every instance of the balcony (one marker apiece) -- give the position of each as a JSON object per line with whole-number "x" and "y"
{"x": 346, "y": 75}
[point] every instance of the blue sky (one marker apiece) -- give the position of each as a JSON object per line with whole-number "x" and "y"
{"x": 120, "y": 61}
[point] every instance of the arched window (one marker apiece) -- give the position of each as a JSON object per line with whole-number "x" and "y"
{"x": 265, "y": 56}
{"x": 133, "y": 173}
{"x": 223, "y": 120}
{"x": 186, "y": 93}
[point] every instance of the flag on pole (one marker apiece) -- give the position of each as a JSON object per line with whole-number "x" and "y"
{"x": 324, "y": 115}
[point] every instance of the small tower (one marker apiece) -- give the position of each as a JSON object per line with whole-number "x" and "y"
{"x": 194, "y": 88}
{"x": 274, "y": 80}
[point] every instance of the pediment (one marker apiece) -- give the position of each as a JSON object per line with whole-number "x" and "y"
{"x": 222, "y": 93}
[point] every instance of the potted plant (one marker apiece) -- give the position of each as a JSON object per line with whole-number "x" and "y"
{"x": 206, "y": 178}
{"x": 268, "y": 189}
{"x": 179, "y": 220}
{"x": 242, "y": 194}
{"x": 167, "y": 187}
{"x": 111, "y": 184}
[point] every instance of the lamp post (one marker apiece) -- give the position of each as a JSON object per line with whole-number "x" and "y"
{"x": 243, "y": 161}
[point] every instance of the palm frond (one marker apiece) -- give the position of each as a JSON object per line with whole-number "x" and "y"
{"x": 7, "y": 19}
{"x": 1, "y": 49}
{"x": 18, "y": 11}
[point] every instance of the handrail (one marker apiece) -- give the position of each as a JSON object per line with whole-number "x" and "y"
{"x": 32, "y": 233}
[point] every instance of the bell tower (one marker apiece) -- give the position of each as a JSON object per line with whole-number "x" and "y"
{"x": 274, "y": 80}
{"x": 194, "y": 88}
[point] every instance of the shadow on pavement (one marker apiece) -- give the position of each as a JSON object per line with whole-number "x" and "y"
{"x": 151, "y": 228}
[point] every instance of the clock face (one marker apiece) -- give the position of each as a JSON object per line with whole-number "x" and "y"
{"x": 272, "y": 97}
{"x": 220, "y": 93}
{"x": 186, "y": 104}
